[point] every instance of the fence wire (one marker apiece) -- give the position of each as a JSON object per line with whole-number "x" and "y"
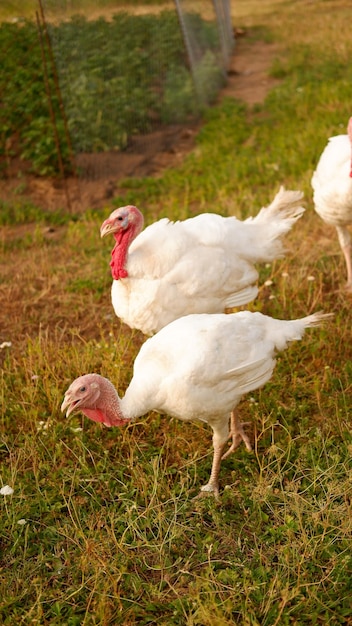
{"x": 208, "y": 38}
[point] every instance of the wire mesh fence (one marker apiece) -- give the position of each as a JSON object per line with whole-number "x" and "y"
{"x": 208, "y": 39}
{"x": 110, "y": 73}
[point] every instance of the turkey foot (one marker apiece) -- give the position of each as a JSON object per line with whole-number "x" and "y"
{"x": 238, "y": 435}
{"x": 208, "y": 490}
{"x": 212, "y": 486}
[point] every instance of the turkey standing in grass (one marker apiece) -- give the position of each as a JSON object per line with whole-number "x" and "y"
{"x": 332, "y": 185}
{"x": 204, "y": 264}
{"x": 197, "y": 367}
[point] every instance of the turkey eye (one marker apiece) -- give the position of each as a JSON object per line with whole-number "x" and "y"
{"x": 82, "y": 389}
{"x": 120, "y": 218}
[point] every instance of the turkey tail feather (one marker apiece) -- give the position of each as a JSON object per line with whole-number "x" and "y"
{"x": 285, "y": 206}
{"x": 272, "y": 223}
{"x": 293, "y": 330}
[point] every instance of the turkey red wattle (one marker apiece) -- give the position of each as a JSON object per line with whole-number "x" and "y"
{"x": 117, "y": 263}
{"x": 124, "y": 231}
{"x": 97, "y": 415}
{"x": 119, "y": 254}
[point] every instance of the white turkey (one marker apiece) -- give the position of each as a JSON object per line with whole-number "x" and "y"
{"x": 197, "y": 367}
{"x": 332, "y": 186}
{"x": 204, "y": 264}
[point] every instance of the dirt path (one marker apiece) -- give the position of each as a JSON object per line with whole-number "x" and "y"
{"x": 248, "y": 80}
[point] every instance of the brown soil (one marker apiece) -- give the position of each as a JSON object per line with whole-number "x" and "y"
{"x": 147, "y": 156}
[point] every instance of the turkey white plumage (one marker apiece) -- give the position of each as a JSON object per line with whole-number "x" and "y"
{"x": 205, "y": 264}
{"x": 332, "y": 186}
{"x": 197, "y": 367}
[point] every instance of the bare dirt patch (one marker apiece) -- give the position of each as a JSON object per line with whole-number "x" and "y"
{"x": 149, "y": 155}
{"x": 249, "y": 77}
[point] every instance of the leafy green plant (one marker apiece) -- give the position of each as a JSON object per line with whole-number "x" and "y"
{"x": 116, "y": 78}
{"x": 25, "y": 121}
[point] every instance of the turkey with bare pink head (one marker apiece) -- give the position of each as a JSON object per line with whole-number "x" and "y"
{"x": 332, "y": 186}
{"x": 204, "y": 264}
{"x": 197, "y": 367}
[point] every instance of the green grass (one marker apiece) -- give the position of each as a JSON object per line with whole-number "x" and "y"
{"x": 111, "y": 533}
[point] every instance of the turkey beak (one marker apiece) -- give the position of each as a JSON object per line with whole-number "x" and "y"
{"x": 106, "y": 228}
{"x": 68, "y": 403}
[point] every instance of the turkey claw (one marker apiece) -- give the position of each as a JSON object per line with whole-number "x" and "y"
{"x": 238, "y": 435}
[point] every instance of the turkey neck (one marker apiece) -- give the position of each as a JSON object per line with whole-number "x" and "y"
{"x": 108, "y": 410}
{"x": 123, "y": 240}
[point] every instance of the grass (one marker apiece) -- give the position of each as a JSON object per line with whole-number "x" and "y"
{"x": 26, "y": 8}
{"x": 101, "y": 528}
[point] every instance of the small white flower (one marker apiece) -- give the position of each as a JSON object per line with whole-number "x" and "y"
{"x": 267, "y": 265}
{"x": 272, "y": 297}
{"x": 252, "y": 400}
{"x": 310, "y": 278}
{"x": 42, "y": 425}
{"x": 22, "y": 522}
{"x": 284, "y": 274}
{"x": 268, "y": 283}
{"x": 6, "y": 490}
{"x": 77, "y": 430}
{"x": 35, "y": 377}
{"x": 5, "y": 344}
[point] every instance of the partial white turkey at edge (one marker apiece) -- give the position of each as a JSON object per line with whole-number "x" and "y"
{"x": 197, "y": 367}
{"x": 332, "y": 186}
{"x": 205, "y": 264}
